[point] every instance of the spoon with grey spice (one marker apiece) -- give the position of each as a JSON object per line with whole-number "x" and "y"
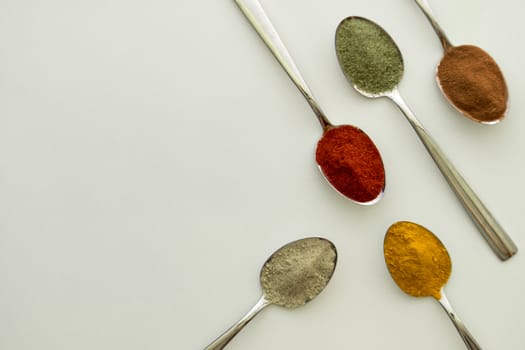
{"x": 294, "y": 275}
{"x": 372, "y": 62}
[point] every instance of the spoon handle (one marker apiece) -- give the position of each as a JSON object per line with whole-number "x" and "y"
{"x": 424, "y": 6}
{"x": 254, "y": 12}
{"x": 469, "y": 340}
{"x": 231, "y": 332}
{"x": 491, "y": 230}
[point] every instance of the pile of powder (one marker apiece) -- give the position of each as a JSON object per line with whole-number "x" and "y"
{"x": 368, "y": 56}
{"x": 351, "y": 163}
{"x": 473, "y": 82}
{"x": 298, "y": 272}
{"x": 416, "y": 259}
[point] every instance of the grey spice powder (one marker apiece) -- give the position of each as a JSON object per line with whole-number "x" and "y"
{"x": 298, "y": 272}
{"x": 368, "y": 56}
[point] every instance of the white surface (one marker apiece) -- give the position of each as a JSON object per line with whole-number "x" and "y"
{"x": 153, "y": 154}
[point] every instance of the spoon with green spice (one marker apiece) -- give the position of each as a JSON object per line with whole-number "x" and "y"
{"x": 346, "y": 156}
{"x": 294, "y": 275}
{"x": 469, "y": 78}
{"x": 373, "y": 64}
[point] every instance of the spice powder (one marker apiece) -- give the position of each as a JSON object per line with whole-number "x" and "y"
{"x": 368, "y": 56}
{"x": 298, "y": 272}
{"x": 351, "y": 163}
{"x": 416, "y": 259}
{"x": 473, "y": 82}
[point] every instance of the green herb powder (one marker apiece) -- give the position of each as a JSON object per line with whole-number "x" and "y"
{"x": 368, "y": 56}
{"x": 298, "y": 272}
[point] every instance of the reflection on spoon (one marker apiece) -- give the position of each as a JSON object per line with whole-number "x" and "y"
{"x": 470, "y": 78}
{"x": 346, "y": 156}
{"x": 295, "y": 274}
{"x": 372, "y": 62}
{"x": 420, "y": 265}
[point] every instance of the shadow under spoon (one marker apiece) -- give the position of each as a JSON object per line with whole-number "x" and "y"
{"x": 294, "y": 275}
{"x": 346, "y": 156}
{"x": 469, "y": 78}
{"x": 373, "y": 64}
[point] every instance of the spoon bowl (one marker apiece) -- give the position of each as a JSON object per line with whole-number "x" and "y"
{"x": 350, "y": 161}
{"x": 473, "y": 83}
{"x": 296, "y": 273}
{"x": 417, "y": 260}
{"x": 469, "y": 78}
{"x": 372, "y": 62}
{"x": 291, "y": 277}
{"x": 420, "y": 266}
{"x": 346, "y": 156}
{"x": 368, "y": 57}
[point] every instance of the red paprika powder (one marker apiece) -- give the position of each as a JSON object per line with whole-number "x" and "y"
{"x": 351, "y": 163}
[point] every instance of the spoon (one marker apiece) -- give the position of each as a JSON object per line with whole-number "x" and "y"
{"x": 475, "y": 72}
{"x": 373, "y": 64}
{"x": 345, "y": 154}
{"x": 295, "y": 274}
{"x": 420, "y": 265}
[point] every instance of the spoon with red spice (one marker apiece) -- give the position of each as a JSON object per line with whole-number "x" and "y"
{"x": 346, "y": 156}
{"x": 469, "y": 78}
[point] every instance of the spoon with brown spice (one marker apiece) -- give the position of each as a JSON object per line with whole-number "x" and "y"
{"x": 372, "y": 62}
{"x": 294, "y": 275}
{"x": 420, "y": 265}
{"x": 346, "y": 156}
{"x": 469, "y": 78}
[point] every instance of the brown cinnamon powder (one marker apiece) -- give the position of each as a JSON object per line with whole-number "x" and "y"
{"x": 473, "y": 82}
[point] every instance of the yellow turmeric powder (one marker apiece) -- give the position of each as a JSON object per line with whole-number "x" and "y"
{"x": 416, "y": 259}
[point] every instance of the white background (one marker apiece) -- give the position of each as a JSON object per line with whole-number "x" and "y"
{"x": 153, "y": 154}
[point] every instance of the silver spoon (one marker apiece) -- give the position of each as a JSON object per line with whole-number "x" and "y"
{"x": 360, "y": 178}
{"x": 377, "y": 74}
{"x": 294, "y": 275}
{"x": 410, "y": 249}
{"x": 493, "y": 91}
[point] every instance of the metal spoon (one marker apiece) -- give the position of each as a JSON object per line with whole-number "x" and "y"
{"x": 354, "y": 177}
{"x": 357, "y": 72}
{"x": 409, "y": 249}
{"x": 295, "y": 274}
{"x": 496, "y": 91}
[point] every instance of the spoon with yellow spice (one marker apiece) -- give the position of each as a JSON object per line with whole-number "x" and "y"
{"x": 420, "y": 265}
{"x": 294, "y": 275}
